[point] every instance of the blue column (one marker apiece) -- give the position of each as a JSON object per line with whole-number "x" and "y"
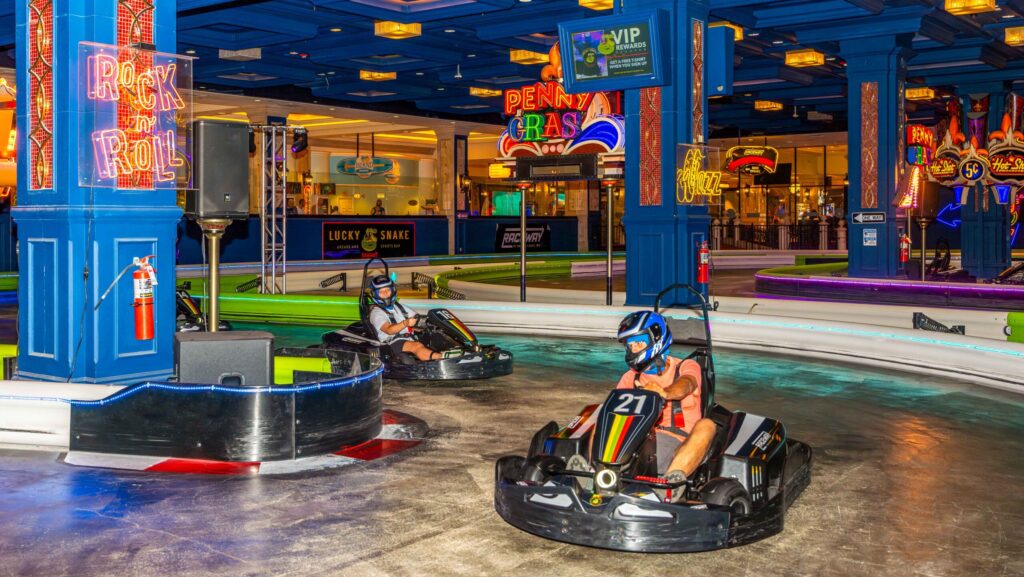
{"x": 661, "y": 236}
{"x": 75, "y": 239}
{"x": 875, "y": 70}
{"x": 984, "y": 230}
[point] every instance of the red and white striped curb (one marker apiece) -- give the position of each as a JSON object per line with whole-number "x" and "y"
{"x": 399, "y": 432}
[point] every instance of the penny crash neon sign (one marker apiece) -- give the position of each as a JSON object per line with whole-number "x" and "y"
{"x": 547, "y": 112}
{"x": 142, "y": 147}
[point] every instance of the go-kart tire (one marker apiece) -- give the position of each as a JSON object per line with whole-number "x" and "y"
{"x": 539, "y": 468}
{"x": 727, "y": 493}
{"x": 541, "y": 437}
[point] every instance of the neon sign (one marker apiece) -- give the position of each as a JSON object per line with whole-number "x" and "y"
{"x": 910, "y": 199}
{"x": 140, "y": 104}
{"x": 693, "y": 181}
{"x": 751, "y": 159}
{"x": 544, "y": 96}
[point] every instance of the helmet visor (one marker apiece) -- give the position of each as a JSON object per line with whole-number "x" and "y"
{"x": 638, "y": 343}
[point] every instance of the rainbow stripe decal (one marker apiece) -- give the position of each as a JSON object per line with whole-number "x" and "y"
{"x": 462, "y": 328}
{"x": 615, "y": 437}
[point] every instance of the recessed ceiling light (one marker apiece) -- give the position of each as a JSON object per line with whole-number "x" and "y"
{"x": 331, "y": 73}
{"x": 441, "y": 88}
{"x": 471, "y": 56}
{"x": 332, "y": 108}
{"x": 190, "y": 51}
{"x": 335, "y": 29}
{"x": 754, "y": 34}
{"x": 449, "y": 30}
{"x": 257, "y": 100}
{"x": 831, "y": 58}
{"x": 394, "y": 116}
{"x": 1007, "y": 16}
{"x": 525, "y": 1}
{"x": 419, "y": 74}
{"x": 316, "y": 102}
{"x": 293, "y": 53}
{"x": 777, "y": 42}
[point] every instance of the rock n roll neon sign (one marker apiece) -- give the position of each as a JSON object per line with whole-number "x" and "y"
{"x": 142, "y": 148}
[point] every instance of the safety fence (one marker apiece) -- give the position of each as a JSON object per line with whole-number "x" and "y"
{"x": 433, "y": 289}
{"x": 803, "y": 236}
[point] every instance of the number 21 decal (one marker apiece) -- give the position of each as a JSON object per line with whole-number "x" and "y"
{"x": 625, "y": 400}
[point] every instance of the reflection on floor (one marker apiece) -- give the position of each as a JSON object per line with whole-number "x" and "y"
{"x": 911, "y": 478}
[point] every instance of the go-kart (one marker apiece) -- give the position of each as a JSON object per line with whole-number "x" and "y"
{"x": 189, "y": 317}
{"x": 1011, "y": 275}
{"x": 439, "y": 330}
{"x": 596, "y": 481}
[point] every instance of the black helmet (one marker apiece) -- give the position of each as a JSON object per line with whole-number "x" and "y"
{"x": 378, "y": 283}
{"x": 650, "y": 328}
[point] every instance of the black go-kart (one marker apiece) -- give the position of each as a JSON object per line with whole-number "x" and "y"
{"x": 1011, "y": 275}
{"x": 189, "y": 317}
{"x": 597, "y": 482}
{"x": 438, "y": 330}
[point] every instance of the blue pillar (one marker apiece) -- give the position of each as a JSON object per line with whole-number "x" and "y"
{"x": 661, "y": 236}
{"x": 984, "y": 227}
{"x": 875, "y": 71}
{"x": 74, "y": 239}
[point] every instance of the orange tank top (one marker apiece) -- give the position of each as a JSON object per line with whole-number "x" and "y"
{"x": 688, "y": 411}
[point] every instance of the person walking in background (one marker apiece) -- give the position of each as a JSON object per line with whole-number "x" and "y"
{"x": 378, "y": 209}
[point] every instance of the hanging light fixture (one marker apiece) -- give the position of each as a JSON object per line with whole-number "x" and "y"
{"x": 526, "y": 57}
{"x": 597, "y": 4}
{"x": 767, "y": 106}
{"x": 484, "y": 92}
{"x": 377, "y": 76}
{"x": 737, "y": 30}
{"x": 397, "y": 30}
{"x": 1014, "y": 36}
{"x": 921, "y": 93}
{"x": 804, "y": 58}
{"x": 962, "y": 7}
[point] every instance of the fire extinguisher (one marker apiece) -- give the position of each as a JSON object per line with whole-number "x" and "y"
{"x": 904, "y": 248}
{"x": 144, "y": 279}
{"x": 703, "y": 262}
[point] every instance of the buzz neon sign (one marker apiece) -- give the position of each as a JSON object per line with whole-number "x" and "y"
{"x": 139, "y": 144}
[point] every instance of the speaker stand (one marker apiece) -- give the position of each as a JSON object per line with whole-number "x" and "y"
{"x": 213, "y": 229}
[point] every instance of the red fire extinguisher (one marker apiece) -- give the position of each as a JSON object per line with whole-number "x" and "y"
{"x": 904, "y": 248}
{"x": 144, "y": 279}
{"x": 703, "y": 262}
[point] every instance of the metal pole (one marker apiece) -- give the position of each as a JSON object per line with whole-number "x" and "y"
{"x": 213, "y": 228}
{"x": 923, "y": 223}
{"x": 522, "y": 243}
{"x": 263, "y": 210}
{"x": 609, "y": 238}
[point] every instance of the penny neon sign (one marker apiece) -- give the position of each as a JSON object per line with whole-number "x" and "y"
{"x": 545, "y": 111}
{"x": 139, "y": 146}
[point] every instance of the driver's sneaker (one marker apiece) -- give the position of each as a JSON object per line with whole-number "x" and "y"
{"x": 678, "y": 493}
{"x": 452, "y": 353}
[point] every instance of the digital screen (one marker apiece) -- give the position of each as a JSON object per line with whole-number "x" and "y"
{"x": 612, "y": 52}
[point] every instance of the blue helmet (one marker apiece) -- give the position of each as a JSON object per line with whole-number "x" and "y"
{"x": 650, "y": 328}
{"x": 379, "y": 283}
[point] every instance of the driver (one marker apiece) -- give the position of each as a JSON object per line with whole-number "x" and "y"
{"x": 393, "y": 321}
{"x": 683, "y": 435}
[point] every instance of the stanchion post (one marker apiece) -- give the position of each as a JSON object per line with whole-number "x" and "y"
{"x": 523, "y": 186}
{"x": 609, "y": 238}
{"x": 213, "y": 229}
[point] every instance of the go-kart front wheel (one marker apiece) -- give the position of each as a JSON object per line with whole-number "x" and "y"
{"x": 727, "y": 493}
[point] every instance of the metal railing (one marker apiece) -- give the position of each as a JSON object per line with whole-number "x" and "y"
{"x": 248, "y": 285}
{"x": 804, "y": 236}
{"x": 341, "y": 277}
{"x": 433, "y": 289}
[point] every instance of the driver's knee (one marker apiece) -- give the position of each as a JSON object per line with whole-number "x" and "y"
{"x": 704, "y": 429}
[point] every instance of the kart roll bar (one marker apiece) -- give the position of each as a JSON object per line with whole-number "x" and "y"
{"x": 708, "y": 391}
{"x": 363, "y": 308}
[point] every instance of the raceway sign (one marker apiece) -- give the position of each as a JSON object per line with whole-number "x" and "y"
{"x": 506, "y": 239}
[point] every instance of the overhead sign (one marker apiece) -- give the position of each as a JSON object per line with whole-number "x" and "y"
{"x": 868, "y": 217}
{"x": 751, "y": 160}
{"x": 612, "y": 52}
{"x": 363, "y": 240}
{"x": 366, "y": 166}
{"x": 133, "y": 103}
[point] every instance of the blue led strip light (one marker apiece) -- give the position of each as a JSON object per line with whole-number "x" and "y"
{"x": 188, "y": 388}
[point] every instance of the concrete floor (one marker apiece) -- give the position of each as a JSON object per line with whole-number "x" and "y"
{"x": 911, "y": 478}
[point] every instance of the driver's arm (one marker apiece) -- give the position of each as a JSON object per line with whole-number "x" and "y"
{"x": 392, "y": 328}
{"x": 687, "y": 381}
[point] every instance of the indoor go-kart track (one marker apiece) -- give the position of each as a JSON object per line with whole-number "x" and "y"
{"x": 912, "y": 476}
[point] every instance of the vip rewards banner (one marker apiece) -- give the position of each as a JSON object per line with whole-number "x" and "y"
{"x": 538, "y": 238}
{"x": 368, "y": 239}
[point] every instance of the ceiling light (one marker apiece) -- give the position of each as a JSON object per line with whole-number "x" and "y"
{"x": 419, "y": 74}
{"x": 471, "y": 56}
{"x": 962, "y": 7}
{"x": 293, "y": 53}
{"x": 335, "y": 29}
{"x": 737, "y": 31}
{"x": 777, "y": 42}
{"x": 396, "y": 30}
{"x": 1015, "y": 36}
{"x": 190, "y": 51}
{"x": 753, "y": 34}
{"x": 1008, "y": 16}
{"x": 527, "y": 57}
{"x": 257, "y": 100}
{"x": 484, "y": 92}
{"x": 440, "y": 88}
{"x": 767, "y": 106}
{"x": 449, "y": 30}
{"x": 922, "y": 93}
{"x": 598, "y": 4}
{"x": 331, "y": 73}
{"x": 458, "y": 72}
{"x": 804, "y": 58}
{"x": 377, "y": 76}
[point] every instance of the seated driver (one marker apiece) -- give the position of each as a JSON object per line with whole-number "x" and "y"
{"x": 393, "y": 321}
{"x": 683, "y": 435}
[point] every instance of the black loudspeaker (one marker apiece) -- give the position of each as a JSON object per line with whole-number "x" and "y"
{"x": 244, "y": 358}
{"x": 220, "y": 173}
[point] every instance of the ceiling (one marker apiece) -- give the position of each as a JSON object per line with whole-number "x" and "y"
{"x": 312, "y": 51}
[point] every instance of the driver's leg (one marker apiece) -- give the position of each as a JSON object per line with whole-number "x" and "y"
{"x": 691, "y": 453}
{"x": 421, "y": 352}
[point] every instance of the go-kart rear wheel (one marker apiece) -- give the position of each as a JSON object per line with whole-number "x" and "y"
{"x": 727, "y": 493}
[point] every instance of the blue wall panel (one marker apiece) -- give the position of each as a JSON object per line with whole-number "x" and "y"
{"x": 478, "y": 235}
